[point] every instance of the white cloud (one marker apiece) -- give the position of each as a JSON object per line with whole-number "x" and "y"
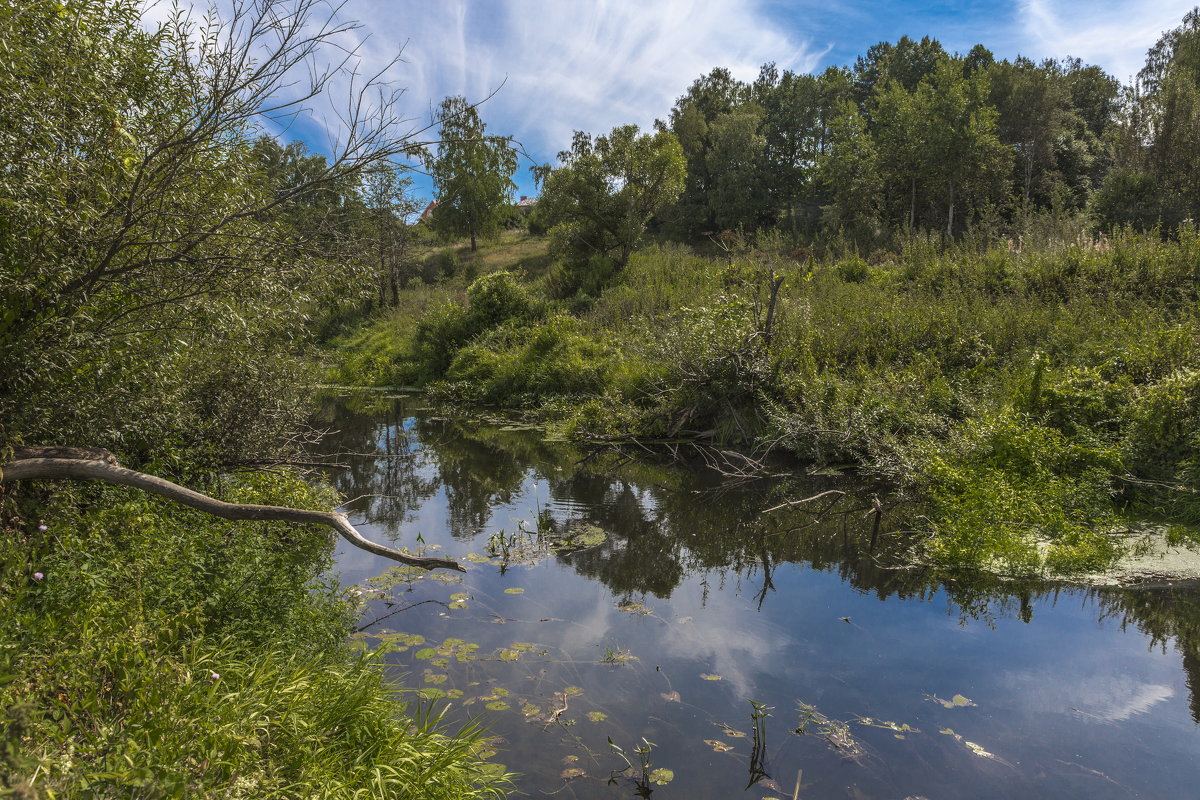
{"x": 571, "y": 65}
{"x": 1112, "y": 34}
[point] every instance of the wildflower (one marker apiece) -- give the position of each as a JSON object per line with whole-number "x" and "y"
{"x": 216, "y": 676}
{"x": 37, "y": 576}
{"x": 41, "y": 527}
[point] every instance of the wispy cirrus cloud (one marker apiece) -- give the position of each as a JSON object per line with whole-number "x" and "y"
{"x": 1111, "y": 33}
{"x": 562, "y": 66}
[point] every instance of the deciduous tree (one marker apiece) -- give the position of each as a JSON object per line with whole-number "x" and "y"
{"x": 472, "y": 174}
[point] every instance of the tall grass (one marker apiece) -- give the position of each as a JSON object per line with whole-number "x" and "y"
{"x": 150, "y": 651}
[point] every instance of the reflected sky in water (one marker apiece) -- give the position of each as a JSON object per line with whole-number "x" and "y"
{"x": 696, "y": 603}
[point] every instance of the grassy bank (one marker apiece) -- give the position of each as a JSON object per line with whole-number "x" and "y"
{"x": 1033, "y": 397}
{"x": 150, "y": 651}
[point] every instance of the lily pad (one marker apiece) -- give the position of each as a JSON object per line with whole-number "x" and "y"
{"x": 514, "y": 590}
{"x": 597, "y": 716}
{"x": 711, "y": 676}
{"x": 717, "y": 745}
{"x": 572, "y": 772}
{"x": 498, "y": 705}
{"x": 661, "y": 777}
{"x": 425, "y": 653}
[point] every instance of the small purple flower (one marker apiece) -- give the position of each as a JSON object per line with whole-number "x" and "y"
{"x": 215, "y": 676}
{"x": 37, "y": 576}
{"x": 41, "y": 527}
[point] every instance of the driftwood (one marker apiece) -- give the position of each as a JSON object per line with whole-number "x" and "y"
{"x": 39, "y": 463}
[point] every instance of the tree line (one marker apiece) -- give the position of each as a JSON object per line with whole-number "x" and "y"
{"x": 908, "y": 138}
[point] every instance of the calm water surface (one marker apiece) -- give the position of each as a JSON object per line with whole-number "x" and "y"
{"x": 759, "y": 655}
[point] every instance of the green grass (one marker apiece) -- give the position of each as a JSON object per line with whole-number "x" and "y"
{"x": 151, "y": 651}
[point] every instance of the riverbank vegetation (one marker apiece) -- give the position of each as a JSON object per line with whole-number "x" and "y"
{"x": 165, "y": 269}
{"x": 929, "y": 267}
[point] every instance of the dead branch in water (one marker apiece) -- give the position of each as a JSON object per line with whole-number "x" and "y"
{"x": 49, "y": 463}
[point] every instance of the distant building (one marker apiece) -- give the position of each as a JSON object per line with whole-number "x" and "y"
{"x": 428, "y": 212}
{"x": 526, "y": 204}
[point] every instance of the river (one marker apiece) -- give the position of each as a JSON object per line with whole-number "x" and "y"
{"x": 629, "y": 629}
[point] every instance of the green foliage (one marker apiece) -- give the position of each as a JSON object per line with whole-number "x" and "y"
{"x": 1162, "y": 445}
{"x": 213, "y": 667}
{"x": 1013, "y": 496}
{"x": 601, "y": 199}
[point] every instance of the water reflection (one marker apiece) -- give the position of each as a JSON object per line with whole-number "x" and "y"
{"x": 784, "y": 608}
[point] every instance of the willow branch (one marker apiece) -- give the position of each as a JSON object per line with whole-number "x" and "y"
{"x": 107, "y": 472}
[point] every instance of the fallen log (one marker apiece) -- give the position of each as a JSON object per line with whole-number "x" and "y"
{"x": 42, "y": 463}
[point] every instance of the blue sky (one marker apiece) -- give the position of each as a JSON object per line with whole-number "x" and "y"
{"x": 560, "y": 65}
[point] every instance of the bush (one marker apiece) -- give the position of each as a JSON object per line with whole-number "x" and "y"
{"x": 1016, "y": 497}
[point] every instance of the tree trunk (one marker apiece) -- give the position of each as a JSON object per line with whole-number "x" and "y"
{"x": 912, "y": 205}
{"x": 40, "y": 463}
{"x": 950, "y": 215}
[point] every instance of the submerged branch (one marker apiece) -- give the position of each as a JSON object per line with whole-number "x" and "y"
{"x": 102, "y": 466}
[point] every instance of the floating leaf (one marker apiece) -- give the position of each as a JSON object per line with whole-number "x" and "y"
{"x": 958, "y": 701}
{"x": 425, "y": 653}
{"x": 572, "y": 772}
{"x": 435, "y": 678}
{"x": 514, "y": 590}
{"x": 454, "y": 693}
{"x": 977, "y": 750}
{"x": 888, "y": 725}
{"x": 572, "y": 691}
{"x": 460, "y": 596}
{"x": 524, "y": 647}
{"x": 529, "y": 709}
{"x": 684, "y": 620}
{"x": 431, "y": 693}
{"x": 597, "y": 716}
{"x": 475, "y": 558}
{"x": 670, "y": 697}
{"x": 711, "y": 677}
{"x": 498, "y": 705}
{"x": 717, "y": 745}
{"x": 570, "y": 759}
{"x": 509, "y": 655}
{"x": 634, "y": 608}
{"x": 440, "y": 662}
{"x": 661, "y": 777}
{"x": 837, "y": 733}
{"x": 732, "y": 733}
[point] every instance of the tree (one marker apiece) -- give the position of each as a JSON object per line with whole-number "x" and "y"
{"x": 1034, "y": 114}
{"x": 735, "y": 163}
{"x": 851, "y": 172}
{"x": 147, "y": 277}
{"x": 605, "y": 193}
{"x": 389, "y": 206}
{"x": 472, "y": 174}
{"x": 691, "y": 121}
{"x": 966, "y": 160}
